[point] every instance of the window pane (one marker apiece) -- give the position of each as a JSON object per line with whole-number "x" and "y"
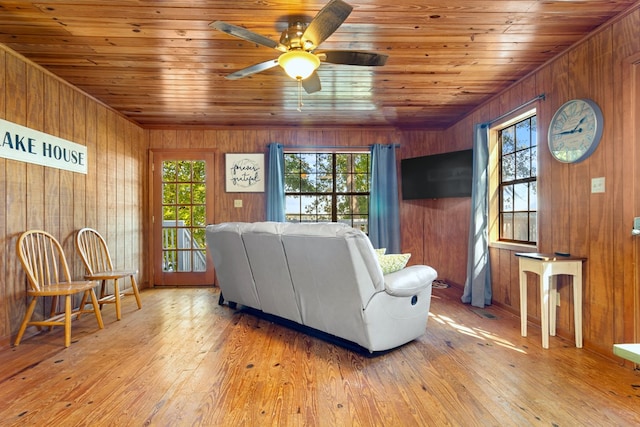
{"x": 507, "y": 140}
{"x": 344, "y": 205}
{"x": 533, "y": 227}
{"x": 521, "y": 226}
{"x": 292, "y": 204}
{"x": 523, "y": 164}
{"x": 199, "y": 218}
{"x": 168, "y": 171}
{"x": 168, "y": 194}
{"x": 534, "y": 131}
{"x": 184, "y": 215}
{"x": 507, "y": 226}
{"x": 199, "y": 172}
{"x": 200, "y": 261}
{"x": 184, "y": 171}
{"x": 508, "y": 168}
{"x": 534, "y": 161}
{"x": 523, "y": 136}
{"x": 521, "y": 197}
{"x": 325, "y": 183}
{"x": 308, "y": 205}
{"x": 361, "y": 163}
{"x": 533, "y": 196}
{"x": 184, "y": 194}
{"x": 169, "y": 214}
{"x": 291, "y": 182}
{"x": 361, "y": 204}
{"x": 199, "y": 194}
{"x": 507, "y": 198}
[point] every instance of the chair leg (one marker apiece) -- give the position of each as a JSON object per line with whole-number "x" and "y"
{"x": 83, "y": 302}
{"x": 67, "y": 320}
{"x": 103, "y": 291}
{"x": 25, "y": 322}
{"x": 96, "y": 310}
{"x": 134, "y": 286}
{"x": 116, "y": 294}
{"x": 53, "y": 311}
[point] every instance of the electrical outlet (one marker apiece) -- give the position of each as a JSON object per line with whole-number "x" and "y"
{"x": 597, "y": 185}
{"x": 237, "y": 203}
{"x": 558, "y": 298}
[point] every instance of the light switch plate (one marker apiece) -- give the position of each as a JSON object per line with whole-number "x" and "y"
{"x": 597, "y": 185}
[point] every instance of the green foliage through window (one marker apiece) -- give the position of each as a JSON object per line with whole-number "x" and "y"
{"x": 183, "y": 215}
{"x": 327, "y": 187}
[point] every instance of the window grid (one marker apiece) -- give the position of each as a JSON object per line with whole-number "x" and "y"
{"x": 327, "y": 187}
{"x": 518, "y": 182}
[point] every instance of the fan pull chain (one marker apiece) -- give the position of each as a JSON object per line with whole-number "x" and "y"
{"x": 300, "y": 104}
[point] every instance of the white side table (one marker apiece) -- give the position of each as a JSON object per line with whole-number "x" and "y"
{"x": 548, "y": 266}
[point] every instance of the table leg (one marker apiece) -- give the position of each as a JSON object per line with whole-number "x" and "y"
{"x": 553, "y": 296}
{"x": 545, "y": 281}
{"x": 577, "y": 305}
{"x": 523, "y": 303}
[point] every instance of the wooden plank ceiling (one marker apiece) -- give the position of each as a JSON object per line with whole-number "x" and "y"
{"x": 159, "y": 62}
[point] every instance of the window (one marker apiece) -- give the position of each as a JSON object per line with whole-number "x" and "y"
{"x": 517, "y": 186}
{"x": 327, "y": 187}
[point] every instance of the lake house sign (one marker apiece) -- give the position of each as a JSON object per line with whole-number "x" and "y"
{"x": 31, "y": 146}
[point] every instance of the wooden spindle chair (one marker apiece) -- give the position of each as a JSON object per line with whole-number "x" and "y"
{"x": 97, "y": 260}
{"x": 47, "y": 271}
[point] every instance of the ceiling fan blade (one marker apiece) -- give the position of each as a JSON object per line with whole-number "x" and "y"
{"x": 330, "y": 17}
{"x": 312, "y": 83}
{"x": 245, "y": 34}
{"x": 351, "y": 57}
{"x": 256, "y": 68}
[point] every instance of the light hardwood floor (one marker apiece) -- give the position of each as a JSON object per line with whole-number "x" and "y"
{"x": 183, "y": 360}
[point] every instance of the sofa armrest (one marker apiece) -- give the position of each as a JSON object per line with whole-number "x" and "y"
{"x": 410, "y": 280}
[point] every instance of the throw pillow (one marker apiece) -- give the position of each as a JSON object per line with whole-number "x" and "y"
{"x": 381, "y": 251}
{"x": 393, "y": 262}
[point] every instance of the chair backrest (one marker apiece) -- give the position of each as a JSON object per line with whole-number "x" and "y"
{"x": 93, "y": 250}
{"x": 43, "y": 259}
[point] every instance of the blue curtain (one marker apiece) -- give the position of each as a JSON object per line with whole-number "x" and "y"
{"x": 384, "y": 216}
{"x": 275, "y": 183}
{"x": 477, "y": 287}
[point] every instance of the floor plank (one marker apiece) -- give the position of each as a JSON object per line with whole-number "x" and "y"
{"x": 185, "y": 360}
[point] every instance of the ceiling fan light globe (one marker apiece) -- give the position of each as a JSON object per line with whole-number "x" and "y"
{"x": 298, "y": 64}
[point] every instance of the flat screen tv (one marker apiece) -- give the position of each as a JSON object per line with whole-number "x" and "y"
{"x": 437, "y": 176}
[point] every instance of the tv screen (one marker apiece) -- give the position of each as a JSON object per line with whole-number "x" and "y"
{"x": 437, "y": 176}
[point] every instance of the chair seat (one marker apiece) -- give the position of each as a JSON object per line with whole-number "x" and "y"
{"x": 64, "y": 288}
{"x": 109, "y": 275}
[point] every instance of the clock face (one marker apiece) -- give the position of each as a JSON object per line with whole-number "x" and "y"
{"x": 575, "y": 130}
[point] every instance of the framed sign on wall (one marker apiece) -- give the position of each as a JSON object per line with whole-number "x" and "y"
{"x": 244, "y": 172}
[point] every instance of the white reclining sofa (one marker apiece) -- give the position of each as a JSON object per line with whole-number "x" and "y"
{"x": 325, "y": 276}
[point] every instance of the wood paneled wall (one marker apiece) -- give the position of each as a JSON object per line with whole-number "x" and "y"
{"x": 107, "y": 198}
{"x": 572, "y": 219}
{"x": 223, "y": 141}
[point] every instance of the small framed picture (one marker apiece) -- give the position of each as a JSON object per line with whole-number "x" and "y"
{"x": 244, "y": 172}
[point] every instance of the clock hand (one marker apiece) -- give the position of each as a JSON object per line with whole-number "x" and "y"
{"x": 579, "y": 123}
{"x": 574, "y": 130}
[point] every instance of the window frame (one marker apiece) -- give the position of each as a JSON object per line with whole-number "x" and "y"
{"x": 333, "y": 193}
{"x": 495, "y": 187}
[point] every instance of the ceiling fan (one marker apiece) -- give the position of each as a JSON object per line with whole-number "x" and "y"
{"x": 298, "y": 44}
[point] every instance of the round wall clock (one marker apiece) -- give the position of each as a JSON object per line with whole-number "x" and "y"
{"x": 575, "y": 130}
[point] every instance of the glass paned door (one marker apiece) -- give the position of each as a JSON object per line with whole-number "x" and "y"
{"x": 182, "y": 209}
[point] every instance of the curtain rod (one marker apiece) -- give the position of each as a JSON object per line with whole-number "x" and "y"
{"x": 542, "y": 96}
{"x": 331, "y": 147}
